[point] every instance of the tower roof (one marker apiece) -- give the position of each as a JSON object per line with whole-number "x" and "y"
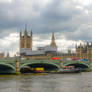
{"x": 25, "y": 32}
{"x": 20, "y": 33}
{"x": 53, "y": 43}
{"x": 31, "y": 33}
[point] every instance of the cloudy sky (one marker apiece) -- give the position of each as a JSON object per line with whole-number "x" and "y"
{"x": 70, "y": 20}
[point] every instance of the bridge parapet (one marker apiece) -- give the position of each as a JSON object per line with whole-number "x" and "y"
{"x": 11, "y": 62}
{"x": 38, "y": 61}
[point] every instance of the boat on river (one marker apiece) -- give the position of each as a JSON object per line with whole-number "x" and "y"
{"x": 69, "y": 71}
{"x": 37, "y": 70}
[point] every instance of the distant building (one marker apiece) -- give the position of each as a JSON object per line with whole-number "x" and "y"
{"x": 8, "y": 55}
{"x": 1, "y": 55}
{"x": 26, "y": 51}
{"x": 82, "y": 51}
{"x": 26, "y": 40}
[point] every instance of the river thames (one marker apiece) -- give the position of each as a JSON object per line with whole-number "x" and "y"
{"x": 81, "y": 82}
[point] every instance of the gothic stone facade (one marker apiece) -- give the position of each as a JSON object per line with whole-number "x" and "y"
{"x": 26, "y": 42}
{"x": 82, "y": 51}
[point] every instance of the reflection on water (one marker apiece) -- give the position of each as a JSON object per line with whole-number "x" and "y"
{"x": 81, "y": 82}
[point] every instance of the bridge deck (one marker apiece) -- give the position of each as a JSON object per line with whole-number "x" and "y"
{"x": 12, "y": 63}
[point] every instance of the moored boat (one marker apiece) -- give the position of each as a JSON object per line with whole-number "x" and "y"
{"x": 37, "y": 70}
{"x": 69, "y": 71}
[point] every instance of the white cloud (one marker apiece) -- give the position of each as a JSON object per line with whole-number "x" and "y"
{"x": 84, "y": 2}
{"x": 5, "y": 1}
{"x": 10, "y": 43}
{"x": 69, "y": 18}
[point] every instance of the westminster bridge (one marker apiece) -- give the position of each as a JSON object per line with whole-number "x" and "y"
{"x": 18, "y": 66}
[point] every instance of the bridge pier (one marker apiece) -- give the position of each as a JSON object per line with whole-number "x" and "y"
{"x": 17, "y": 67}
{"x": 90, "y": 66}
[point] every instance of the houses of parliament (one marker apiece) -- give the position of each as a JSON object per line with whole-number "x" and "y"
{"x": 46, "y": 52}
{"x": 26, "y": 44}
{"x": 26, "y": 40}
{"x": 81, "y": 51}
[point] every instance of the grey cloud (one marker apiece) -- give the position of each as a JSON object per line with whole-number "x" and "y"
{"x": 57, "y": 16}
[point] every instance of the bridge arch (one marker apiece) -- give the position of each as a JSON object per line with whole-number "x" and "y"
{"x": 7, "y": 69}
{"x": 48, "y": 66}
{"x": 78, "y": 64}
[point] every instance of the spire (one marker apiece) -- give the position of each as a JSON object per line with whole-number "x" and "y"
{"x": 31, "y": 33}
{"x": 69, "y": 51}
{"x": 84, "y": 45}
{"x": 87, "y": 44}
{"x": 31, "y": 40}
{"x": 20, "y": 33}
{"x": 53, "y": 43}
{"x": 8, "y": 55}
{"x": 25, "y": 33}
{"x": 80, "y": 45}
{"x": 25, "y": 38}
{"x": 76, "y": 46}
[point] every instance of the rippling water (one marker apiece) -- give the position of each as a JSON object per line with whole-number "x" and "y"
{"x": 81, "y": 82}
